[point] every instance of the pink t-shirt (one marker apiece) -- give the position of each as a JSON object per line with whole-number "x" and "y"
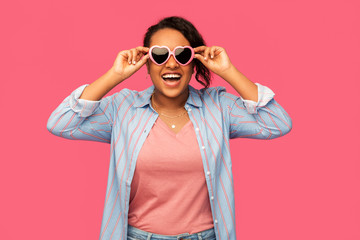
{"x": 169, "y": 195}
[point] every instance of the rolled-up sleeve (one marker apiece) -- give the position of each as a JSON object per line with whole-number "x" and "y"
{"x": 264, "y": 119}
{"x": 83, "y": 107}
{"x": 82, "y": 119}
{"x": 265, "y": 94}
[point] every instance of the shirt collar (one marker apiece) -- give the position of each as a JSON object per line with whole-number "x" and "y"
{"x": 144, "y": 97}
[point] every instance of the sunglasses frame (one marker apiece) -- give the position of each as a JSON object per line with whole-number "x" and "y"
{"x": 172, "y": 53}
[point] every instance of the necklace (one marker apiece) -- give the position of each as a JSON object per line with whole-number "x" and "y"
{"x": 172, "y": 125}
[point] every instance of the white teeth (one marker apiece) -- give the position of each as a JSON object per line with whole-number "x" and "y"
{"x": 171, "y": 75}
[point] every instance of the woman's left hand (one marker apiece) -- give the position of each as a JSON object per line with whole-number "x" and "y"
{"x": 214, "y": 58}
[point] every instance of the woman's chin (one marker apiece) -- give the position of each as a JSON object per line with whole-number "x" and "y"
{"x": 173, "y": 92}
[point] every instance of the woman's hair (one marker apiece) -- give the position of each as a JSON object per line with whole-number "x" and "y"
{"x": 203, "y": 75}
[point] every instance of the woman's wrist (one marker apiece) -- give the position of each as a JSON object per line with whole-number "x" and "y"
{"x": 114, "y": 77}
{"x": 246, "y": 88}
{"x": 229, "y": 73}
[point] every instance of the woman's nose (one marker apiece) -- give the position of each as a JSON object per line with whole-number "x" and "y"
{"x": 171, "y": 63}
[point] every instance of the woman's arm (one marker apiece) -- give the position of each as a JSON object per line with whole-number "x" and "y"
{"x": 84, "y": 114}
{"x": 99, "y": 88}
{"x": 264, "y": 119}
{"x": 125, "y": 65}
{"x": 246, "y": 88}
{"x": 216, "y": 59}
{"x": 253, "y": 114}
{"x": 81, "y": 119}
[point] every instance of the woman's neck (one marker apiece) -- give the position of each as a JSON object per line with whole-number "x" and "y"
{"x": 170, "y": 104}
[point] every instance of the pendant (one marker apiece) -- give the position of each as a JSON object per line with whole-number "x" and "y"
{"x": 173, "y": 126}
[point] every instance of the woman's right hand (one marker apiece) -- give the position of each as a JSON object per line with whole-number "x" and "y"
{"x": 129, "y": 61}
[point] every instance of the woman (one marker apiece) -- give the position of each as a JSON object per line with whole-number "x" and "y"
{"x": 170, "y": 173}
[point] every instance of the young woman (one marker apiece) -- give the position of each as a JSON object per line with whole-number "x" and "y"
{"x": 170, "y": 174}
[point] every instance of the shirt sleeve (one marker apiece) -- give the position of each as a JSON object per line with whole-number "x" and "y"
{"x": 264, "y": 119}
{"x": 82, "y": 119}
{"x": 265, "y": 94}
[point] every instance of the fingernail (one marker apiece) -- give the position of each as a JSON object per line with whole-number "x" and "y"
{"x": 205, "y": 58}
{"x": 212, "y": 56}
{"x": 134, "y": 62}
{"x": 129, "y": 62}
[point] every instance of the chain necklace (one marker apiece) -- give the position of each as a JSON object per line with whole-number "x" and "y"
{"x": 172, "y": 125}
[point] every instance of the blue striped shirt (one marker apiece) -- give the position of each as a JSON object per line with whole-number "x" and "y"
{"x": 124, "y": 120}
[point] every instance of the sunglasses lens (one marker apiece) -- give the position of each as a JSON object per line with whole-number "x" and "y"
{"x": 183, "y": 55}
{"x": 159, "y": 54}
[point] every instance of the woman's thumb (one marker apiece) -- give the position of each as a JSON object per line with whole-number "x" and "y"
{"x": 142, "y": 61}
{"x": 201, "y": 59}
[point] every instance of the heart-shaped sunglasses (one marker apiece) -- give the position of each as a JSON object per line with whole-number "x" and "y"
{"x": 161, "y": 54}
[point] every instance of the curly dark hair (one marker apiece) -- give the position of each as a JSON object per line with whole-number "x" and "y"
{"x": 203, "y": 75}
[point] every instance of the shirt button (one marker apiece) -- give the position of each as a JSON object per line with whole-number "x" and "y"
{"x": 203, "y": 147}
{"x": 212, "y": 197}
{"x": 208, "y": 173}
{"x": 197, "y": 129}
{"x": 215, "y": 220}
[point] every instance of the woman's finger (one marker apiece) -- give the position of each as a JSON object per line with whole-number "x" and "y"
{"x": 143, "y": 49}
{"x": 199, "y": 49}
{"x": 134, "y": 53}
{"x": 218, "y": 50}
{"x": 138, "y": 55}
{"x": 201, "y": 59}
{"x": 143, "y": 60}
{"x": 212, "y": 51}
{"x": 129, "y": 54}
{"x": 206, "y": 53}
{"x": 138, "y": 52}
{"x": 126, "y": 55}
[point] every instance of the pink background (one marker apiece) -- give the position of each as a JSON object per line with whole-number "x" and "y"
{"x": 304, "y": 185}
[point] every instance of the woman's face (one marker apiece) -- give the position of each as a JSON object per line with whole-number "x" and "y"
{"x": 170, "y": 88}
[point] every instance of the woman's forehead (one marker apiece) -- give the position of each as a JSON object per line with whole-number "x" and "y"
{"x": 168, "y": 37}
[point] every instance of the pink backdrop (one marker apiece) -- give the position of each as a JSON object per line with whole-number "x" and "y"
{"x": 304, "y": 185}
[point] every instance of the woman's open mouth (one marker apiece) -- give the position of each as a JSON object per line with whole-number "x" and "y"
{"x": 171, "y": 79}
